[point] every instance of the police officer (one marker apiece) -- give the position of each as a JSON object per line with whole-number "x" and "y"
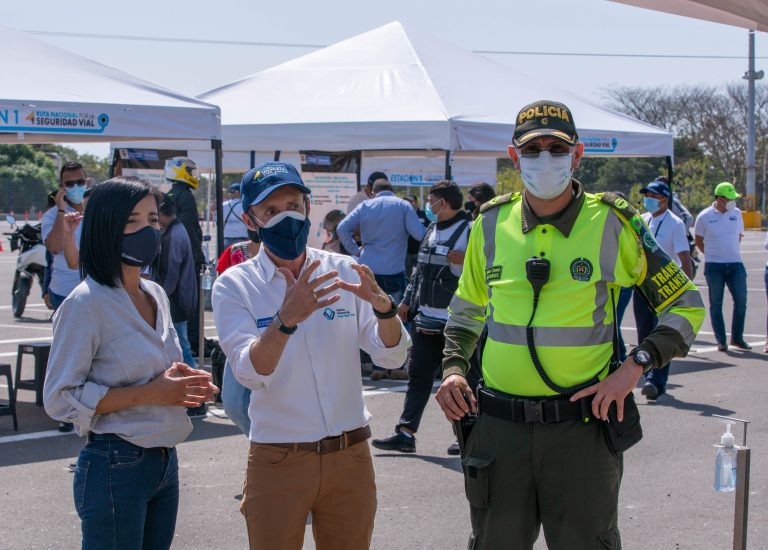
{"x": 440, "y": 260}
{"x": 543, "y": 270}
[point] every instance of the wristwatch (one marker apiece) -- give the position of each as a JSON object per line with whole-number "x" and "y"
{"x": 642, "y": 358}
{"x": 282, "y": 327}
{"x": 387, "y": 314}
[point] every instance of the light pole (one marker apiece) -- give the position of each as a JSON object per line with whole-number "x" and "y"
{"x": 751, "y": 76}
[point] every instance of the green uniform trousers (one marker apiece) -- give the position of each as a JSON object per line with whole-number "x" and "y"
{"x": 519, "y": 477}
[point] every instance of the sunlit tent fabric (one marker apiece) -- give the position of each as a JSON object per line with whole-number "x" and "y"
{"x": 398, "y": 88}
{"x": 48, "y": 94}
{"x": 748, "y": 14}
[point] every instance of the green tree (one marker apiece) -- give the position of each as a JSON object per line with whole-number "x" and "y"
{"x": 26, "y": 177}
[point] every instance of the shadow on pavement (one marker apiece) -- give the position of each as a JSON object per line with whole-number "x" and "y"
{"x": 68, "y": 445}
{"x": 703, "y": 409}
{"x": 448, "y": 462}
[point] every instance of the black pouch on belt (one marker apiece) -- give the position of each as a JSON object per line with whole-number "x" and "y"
{"x": 622, "y": 435}
{"x": 462, "y": 428}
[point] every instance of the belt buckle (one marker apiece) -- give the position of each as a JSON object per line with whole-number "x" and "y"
{"x": 533, "y": 411}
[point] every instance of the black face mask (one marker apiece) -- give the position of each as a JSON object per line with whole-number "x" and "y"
{"x": 138, "y": 249}
{"x": 253, "y": 236}
{"x": 469, "y": 206}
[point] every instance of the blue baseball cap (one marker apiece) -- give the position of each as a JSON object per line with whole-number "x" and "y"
{"x": 258, "y": 183}
{"x": 658, "y": 187}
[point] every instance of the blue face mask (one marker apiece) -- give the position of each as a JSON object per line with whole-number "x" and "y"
{"x": 431, "y": 214}
{"x": 139, "y": 248}
{"x": 286, "y": 235}
{"x": 75, "y": 194}
{"x": 651, "y": 204}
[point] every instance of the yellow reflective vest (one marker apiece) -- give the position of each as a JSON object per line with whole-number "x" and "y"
{"x": 603, "y": 246}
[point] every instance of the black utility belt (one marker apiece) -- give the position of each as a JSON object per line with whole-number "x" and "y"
{"x": 533, "y": 410}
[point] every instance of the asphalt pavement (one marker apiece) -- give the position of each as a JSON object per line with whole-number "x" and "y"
{"x": 666, "y": 501}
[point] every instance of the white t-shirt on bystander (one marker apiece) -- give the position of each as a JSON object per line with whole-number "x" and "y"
{"x": 669, "y": 231}
{"x": 722, "y": 233}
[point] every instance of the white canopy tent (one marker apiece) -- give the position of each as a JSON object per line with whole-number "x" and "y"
{"x": 51, "y": 95}
{"x": 394, "y": 88}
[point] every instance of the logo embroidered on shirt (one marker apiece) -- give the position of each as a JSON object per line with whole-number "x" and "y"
{"x": 493, "y": 273}
{"x": 264, "y": 322}
{"x": 581, "y": 269}
{"x": 329, "y": 314}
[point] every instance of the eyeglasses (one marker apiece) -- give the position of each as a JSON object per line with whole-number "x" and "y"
{"x": 71, "y": 183}
{"x": 556, "y": 150}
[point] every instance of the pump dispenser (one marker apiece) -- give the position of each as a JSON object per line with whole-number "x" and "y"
{"x": 725, "y": 462}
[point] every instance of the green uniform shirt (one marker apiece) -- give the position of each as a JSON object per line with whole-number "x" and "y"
{"x": 597, "y": 245}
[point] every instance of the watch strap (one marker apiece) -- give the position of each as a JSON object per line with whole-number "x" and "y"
{"x": 387, "y": 314}
{"x": 282, "y": 327}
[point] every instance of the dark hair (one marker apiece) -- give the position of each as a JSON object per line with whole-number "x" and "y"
{"x": 381, "y": 185}
{"x": 71, "y": 167}
{"x": 377, "y": 176}
{"x": 109, "y": 206}
{"x": 333, "y": 218}
{"x": 166, "y": 206}
{"x": 482, "y": 192}
{"x": 448, "y": 190}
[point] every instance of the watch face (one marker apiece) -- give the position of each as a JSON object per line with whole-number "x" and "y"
{"x": 642, "y": 357}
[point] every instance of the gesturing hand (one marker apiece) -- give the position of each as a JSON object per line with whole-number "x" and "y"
{"x": 301, "y": 295}
{"x": 186, "y": 370}
{"x": 367, "y": 289}
{"x": 452, "y": 396}
{"x": 71, "y": 221}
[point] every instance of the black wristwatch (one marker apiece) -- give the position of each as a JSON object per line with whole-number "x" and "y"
{"x": 388, "y": 314}
{"x": 642, "y": 358}
{"x": 282, "y": 327}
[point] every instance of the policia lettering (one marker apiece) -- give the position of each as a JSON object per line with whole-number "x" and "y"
{"x": 544, "y": 111}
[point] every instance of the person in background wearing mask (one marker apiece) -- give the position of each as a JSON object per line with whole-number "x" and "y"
{"x": 330, "y": 223}
{"x": 718, "y": 232}
{"x": 183, "y": 176}
{"x": 234, "y": 396}
{"x": 235, "y": 230}
{"x": 115, "y": 371}
{"x": 478, "y": 195}
{"x": 294, "y": 341}
{"x": 441, "y": 258}
{"x": 542, "y": 270}
{"x": 176, "y": 273}
{"x": 55, "y": 231}
{"x": 670, "y": 234}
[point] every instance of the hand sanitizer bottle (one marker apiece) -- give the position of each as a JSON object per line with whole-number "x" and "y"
{"x": 725, "y": 463}
{"x": 207, "y": 278}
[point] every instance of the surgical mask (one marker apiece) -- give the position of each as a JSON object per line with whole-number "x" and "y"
{"x": 730, "y": 205}
{"x": 139, "y": 248}
{"x": 546, "y": 177}
{"x": 286, "y": 234}
{"x": 75, "y": 194}
{"x": 651, "y": 204}
{"x": 431, "y": 214}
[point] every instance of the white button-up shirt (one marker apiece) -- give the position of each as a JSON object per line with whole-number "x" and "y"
{"x": 722, "y": 233}
{"x": 316, "y": 389}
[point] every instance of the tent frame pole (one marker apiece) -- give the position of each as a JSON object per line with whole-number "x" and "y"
{"x": 670, "y": 171}
{"x": 218, "y": 177}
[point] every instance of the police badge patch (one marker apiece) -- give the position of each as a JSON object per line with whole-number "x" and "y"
{"x": 581, "y": 269}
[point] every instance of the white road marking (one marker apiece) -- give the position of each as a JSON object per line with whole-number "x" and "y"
{"x": 27, "y": 326}
{"x": 28, "y": 305}
{"x": 699, "y": 351}
{"x": 33, "y": 435}
{"x": 22, "y": 340}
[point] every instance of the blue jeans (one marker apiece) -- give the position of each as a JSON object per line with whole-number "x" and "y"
{"x": 56, "y": 299}
{"x": 186, "y": 350}
{"x": 718, "y": 277}
{"x": 236, "y": 398}
{"x": 126, "y": 496}
{"x": 395, "y": 286}
{"x": 646, "y": 320}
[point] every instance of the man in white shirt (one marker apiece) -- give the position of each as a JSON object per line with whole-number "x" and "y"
{"x": 235, "y": 230}
{"x": 718, "y": 232}
{"x": 670, "y": 234}
{"x": 73, "y": 182}
{"x": 295, "y": 344}
{"x": 440, "y": 262}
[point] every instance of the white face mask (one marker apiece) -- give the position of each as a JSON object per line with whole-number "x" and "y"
{"x": 546, "y": 177}
{"x": 730, "y": 205}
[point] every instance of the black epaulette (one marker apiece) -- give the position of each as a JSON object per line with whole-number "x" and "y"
{"x": 498, "y": 201}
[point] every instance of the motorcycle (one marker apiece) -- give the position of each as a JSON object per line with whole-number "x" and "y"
{"x": 30, "y": 263}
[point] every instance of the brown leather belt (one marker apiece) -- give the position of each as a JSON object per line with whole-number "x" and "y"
{"x": 329, "y": 444}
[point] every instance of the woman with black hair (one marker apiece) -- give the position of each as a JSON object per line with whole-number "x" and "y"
{"x": 478, "y": 195}
{"x": 115, "y": 372}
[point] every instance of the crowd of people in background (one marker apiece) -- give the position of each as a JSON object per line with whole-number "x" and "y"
{"x": 390, "y": 269}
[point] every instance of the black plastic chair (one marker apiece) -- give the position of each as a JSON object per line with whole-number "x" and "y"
{"x": 10, "y": 408}
{"x": 40, "y": 352}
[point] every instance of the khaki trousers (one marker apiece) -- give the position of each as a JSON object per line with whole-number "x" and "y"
{"x": 283, "y": 486}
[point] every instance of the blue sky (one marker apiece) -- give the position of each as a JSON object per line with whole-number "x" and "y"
{"x": 595, "y": 26}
